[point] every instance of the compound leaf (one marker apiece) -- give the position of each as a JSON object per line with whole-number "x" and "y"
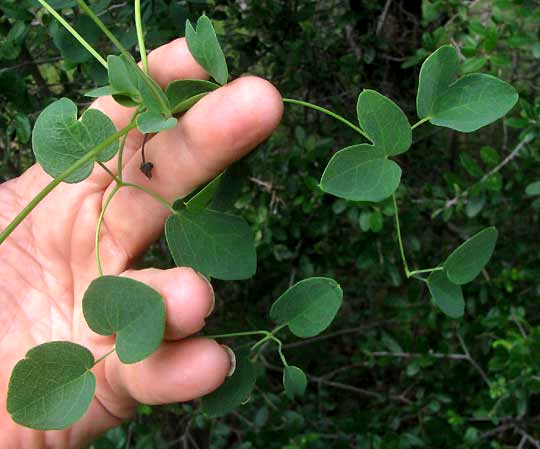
{"x": 446, "y": 295}
{"x": 361, "y": 173}
{"x": 294, "y": 381}
{"x": 183, "y": 94}
{"x": 154, "y": 122}
{"x": 235, "y": 391}
{"x": 131, "y": 310}
{"x": 59, "y": 139}
{"x": 204, "y": 46}
{"x": 308, "y": 307}
{"x": 384, "y": 122}
{"x": 52, "y": 387}
{"x": 216, "y": 244}
{"x": 467, "y": 260}
{"x": 471, "y": 102}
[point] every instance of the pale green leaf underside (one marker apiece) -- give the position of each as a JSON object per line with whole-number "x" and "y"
{"x": 216, "y": 244}
{"x": 533, "y": 188}
{"x": 308, "y": 307}
{"x": 472, "y": 102}
{"x": 59, "y": 139}
{"x": 204, "y": 46}
{"x": 467, "y": 261}
{"x": 52, "y": 386}
{"x": 446, "y": 295}
{"x": 361, "y": 173}
{"x": 183, "y": 94}
{"x": 384, "y": 122}
{"x": 294, "y": 381}
{"x": 437, "y": 73}
{"x": 234, "y": 392}
{"x": 154, "y": 122}
{"x": 131, "y": 310}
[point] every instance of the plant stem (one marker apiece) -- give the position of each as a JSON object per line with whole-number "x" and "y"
{"x": 132, "y": 122}
{"x": 100, "y": 222}
{"x": 402, "y": 251}
{"x": 104, "y": 167}
{"x": 50, "y": 187}
{"x": 104, "y": 356}
{"x": 140, "y": 35}
{"x": 280, "y": 350}
{"x": 418, "y": 123}
{"x": 426, "y": 270}
{"x": 237, "y": 334}
{"x": 327, "y": 112}
{"x": 102, "y": 26}
{"x": 74, "y": 33}
{"x": 153, "y": 194}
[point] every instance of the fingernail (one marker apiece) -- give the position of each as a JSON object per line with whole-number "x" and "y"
{"x": 213, "y": 304}
{"x": 232, "y": 358}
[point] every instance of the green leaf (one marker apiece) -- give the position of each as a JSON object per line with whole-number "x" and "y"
{"x": 294, "y": 381}
{"x": 154, "y": 122}
{"x": 69, "y": 47}
{"x": 203, "y": 198}
{"x": 465, "y": 105}
{"x": 467, "y": 261}
{"x": 361, "y": 173}
{"x": 446, "y": 295}
{"x": 235, "y": 391}
{"x": 384, "y": 122}
{"x": 23, "y": 128}
{"x": 131, "y": 310}
{"x": 533, "y": 188}
{"x": 59, "y": 139}
{"x": 472, "y": 102}
{"x": 101, "y": 92}
{"x": 204, "y": 46}
{"x": 216, "y": 244}
{"x": 437, "y": 73}
{"x": 52, "y": 387}
{"x": 308, "y": 307}
{"x": 183, "y": 94}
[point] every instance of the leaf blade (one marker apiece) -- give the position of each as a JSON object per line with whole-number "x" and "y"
{"x": 294, "y": 381}
{"x": 446, "y": 295}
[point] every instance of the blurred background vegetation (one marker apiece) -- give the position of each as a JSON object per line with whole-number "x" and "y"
{"x": 393, "y": 371}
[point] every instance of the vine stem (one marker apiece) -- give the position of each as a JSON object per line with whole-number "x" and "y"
{"x": 60, "y": 178}
{"x": 419, "y": 122}
{"x": 153, "y": 194}
{"x": 74, "y": 33}
{"x": 102, "y": 26}
{"x": 426, "y": 270}
{"x": 140, "y": 35}
{"x": 327, "y": 112}
{"x": 100, "y": 222}
{"x": 237, "y": 334}
{"x": 280, "y": 350}
{"x": 400, "y": 242}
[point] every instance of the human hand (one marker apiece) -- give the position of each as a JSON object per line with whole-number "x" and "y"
{"x": 49, "y": 260}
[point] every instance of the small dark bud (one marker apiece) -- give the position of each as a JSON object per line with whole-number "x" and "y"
{"x": 146, "y": 168}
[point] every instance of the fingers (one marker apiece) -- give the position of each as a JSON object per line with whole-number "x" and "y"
{"x": 219, "y": 129}
{"x": 189, "y": 298}
{"x": 177, "y": 372}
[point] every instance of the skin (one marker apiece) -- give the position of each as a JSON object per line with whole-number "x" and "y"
{"x": 48, "y": 262}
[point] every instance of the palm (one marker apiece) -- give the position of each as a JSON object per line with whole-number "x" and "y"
{"x": 49, "y": 261}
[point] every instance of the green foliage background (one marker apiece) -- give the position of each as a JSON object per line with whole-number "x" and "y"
{"x": 393, "y": 371}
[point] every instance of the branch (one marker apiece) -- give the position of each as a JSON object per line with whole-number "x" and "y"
{"x": 473, "y": 362}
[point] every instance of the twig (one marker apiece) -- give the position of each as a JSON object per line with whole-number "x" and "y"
{"x": 473, "y": 362}
{"x": 407, "y": 355}
{"x": 382, "y": 17}
{"x": 529, "y": 438}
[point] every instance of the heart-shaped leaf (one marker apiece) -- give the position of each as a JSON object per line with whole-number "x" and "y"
{"x": 467, "y": 260}
{"x": 294, "y": 381}
{"x": 183, "y": 94}
{"x": 216, "y": 244}
{"x": 52, "y": 387}
{"x": 446, "y": 295}
{"x": 154, "y": 122}
{"x": 235, "y": 391}
{"x": 308, "y": 307}
{"x": 59, "y": 139}
{"x": 465, "y": 105}
{"x": 384, "y": 122}
{"x": 204, "y": 46}
{"x": 361, "y": 173}
{"x": 131, "y": 310}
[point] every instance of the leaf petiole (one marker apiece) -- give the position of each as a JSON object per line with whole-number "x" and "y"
{"x": 327, "y": 112}
{"x": 426, "y": 270}
{"x": 237, "y": 334}
{"x": 74, "y": 33}
{"x": 400, "y": 241}
{"x": 153, "y": 194}
{"x": 103, "y": 357}
{"x": 100, "y": 222}
{"x": 140, "y": 35}
{"x": 420, "y": 122}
